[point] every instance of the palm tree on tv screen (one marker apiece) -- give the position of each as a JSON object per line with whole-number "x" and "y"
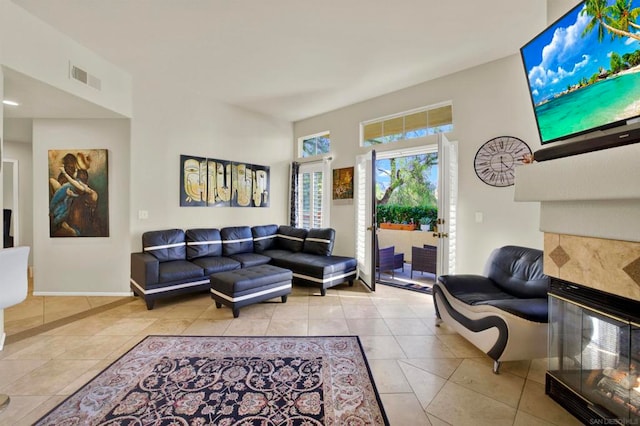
{"x": 615, "y": 19}
{"x": 623, "y": 15}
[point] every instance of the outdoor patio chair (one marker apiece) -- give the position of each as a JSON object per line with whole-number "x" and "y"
{"x": 424, "y": 259}
{"x": 387, "y": 260}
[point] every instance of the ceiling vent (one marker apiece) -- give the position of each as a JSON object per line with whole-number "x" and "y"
{"x": 84, "y": 77}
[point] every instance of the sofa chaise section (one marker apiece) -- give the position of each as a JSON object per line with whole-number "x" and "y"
{"x": 308, "y": 255}
{"x": 319, "y": 271}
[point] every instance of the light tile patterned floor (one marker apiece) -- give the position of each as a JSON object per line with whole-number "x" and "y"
{"x": 37, "y": 311}
{"x": 425, "y": 375}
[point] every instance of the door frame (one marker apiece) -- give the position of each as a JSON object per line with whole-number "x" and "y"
{"x": 365, "y": 219}
{"x": 15, "y": 214}
{"x": 444, "y": 265}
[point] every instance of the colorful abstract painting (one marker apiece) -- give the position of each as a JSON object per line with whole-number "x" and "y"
{"x": 221, "y": 183}
{"x": 250, "y": 185}
{"x": 343, "y": 183}
{"x": 78, "y": 193}
{"x": 193, "y": 181}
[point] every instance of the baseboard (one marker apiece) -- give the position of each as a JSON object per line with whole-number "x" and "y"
{"x": 83, "y": 293}
{"x": 21, "y": 335}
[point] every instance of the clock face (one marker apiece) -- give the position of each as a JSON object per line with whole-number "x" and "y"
{"x": 497, "y": 159}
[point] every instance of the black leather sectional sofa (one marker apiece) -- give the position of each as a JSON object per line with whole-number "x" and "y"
{"x": 175, "y": 261}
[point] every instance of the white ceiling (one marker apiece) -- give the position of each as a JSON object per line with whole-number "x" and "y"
{"x": 293, "y": 59}
{"x": 40, "y": 100}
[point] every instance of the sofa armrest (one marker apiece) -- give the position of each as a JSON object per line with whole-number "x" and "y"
{"x": 145, "y": 269}
{"x": 472, "y": 289}
{"x": 469, "y": 281}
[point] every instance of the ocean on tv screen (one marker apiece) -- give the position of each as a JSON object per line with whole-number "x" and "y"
{"x": 593, "y": 106}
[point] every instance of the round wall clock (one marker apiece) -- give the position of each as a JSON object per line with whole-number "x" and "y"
{"x": 497, "y": 159}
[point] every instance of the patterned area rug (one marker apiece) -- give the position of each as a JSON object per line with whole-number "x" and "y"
{"x": 230, "y": 381}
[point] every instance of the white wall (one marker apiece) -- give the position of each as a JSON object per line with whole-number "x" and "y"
{"x": 169, "y": 122}
{"x": 594, "y": 194}
{"x": 7, "y": 183}
{"x": 150, "y": 182}
{"x": 22, "y": 152}
{"x": 488, "y": 101}
{"x": 36, "y": 49}
{"x": 143, "y": 156}
{"x": 1, "y": 140}
{"x": 82, "y": 265}
{"x": 18, "y": 129}
{"x": 557, "y": 8}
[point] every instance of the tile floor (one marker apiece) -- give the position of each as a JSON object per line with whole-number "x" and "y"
{"x": 37, "y": 311}
{"x": 425, "y": 375}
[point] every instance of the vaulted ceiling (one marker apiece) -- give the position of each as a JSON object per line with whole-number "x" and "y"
{"x": 294, "y": 59}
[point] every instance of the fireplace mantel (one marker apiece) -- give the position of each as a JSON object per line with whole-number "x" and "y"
{"x": 596, "y": 194}
{"x": 590, "y": 214}
{"x": 612, "y": 174}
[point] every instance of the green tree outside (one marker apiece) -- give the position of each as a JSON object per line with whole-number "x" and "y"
{"x": 407, "y": 193}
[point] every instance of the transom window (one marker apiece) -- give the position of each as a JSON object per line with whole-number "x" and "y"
{"x": 412, "y": 124}
{"x": 313, "y": 145}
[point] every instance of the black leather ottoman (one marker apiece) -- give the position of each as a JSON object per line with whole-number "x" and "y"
{"x": 242, "y": 287}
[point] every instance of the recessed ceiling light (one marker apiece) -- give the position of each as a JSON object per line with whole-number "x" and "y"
{"x": 8, "y": 102}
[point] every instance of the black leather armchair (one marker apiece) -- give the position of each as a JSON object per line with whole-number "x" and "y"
{"x": 503, "y": 312}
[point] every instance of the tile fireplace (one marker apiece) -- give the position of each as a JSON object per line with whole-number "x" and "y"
{"x": 594, "y": 327}
{"x": 589, "y": 210}
{"x": 594, "y": 354}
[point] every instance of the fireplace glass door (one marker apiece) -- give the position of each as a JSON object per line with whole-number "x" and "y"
{"x": 597, "y": 355}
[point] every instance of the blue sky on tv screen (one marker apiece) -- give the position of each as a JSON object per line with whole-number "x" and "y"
{"x": 561, "y": 56}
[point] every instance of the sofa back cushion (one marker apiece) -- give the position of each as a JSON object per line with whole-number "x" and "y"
{"x": 518, "y": 271}
{"x": 165, "y": 245}
{"x": 236, "y": 239}
{"x": 291, "y": 238}
{"x": 319, "y": 241}
{"x": 264, "y": 237}
{"x": 203, "y": 243}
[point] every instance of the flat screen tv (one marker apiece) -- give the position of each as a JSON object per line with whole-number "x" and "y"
{"x": 583, "y": 71}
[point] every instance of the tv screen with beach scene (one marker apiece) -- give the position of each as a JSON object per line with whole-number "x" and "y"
{"x": 582, "y": 70}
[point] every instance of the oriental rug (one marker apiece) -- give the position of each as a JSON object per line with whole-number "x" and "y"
{"x": 230, "y": 381}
